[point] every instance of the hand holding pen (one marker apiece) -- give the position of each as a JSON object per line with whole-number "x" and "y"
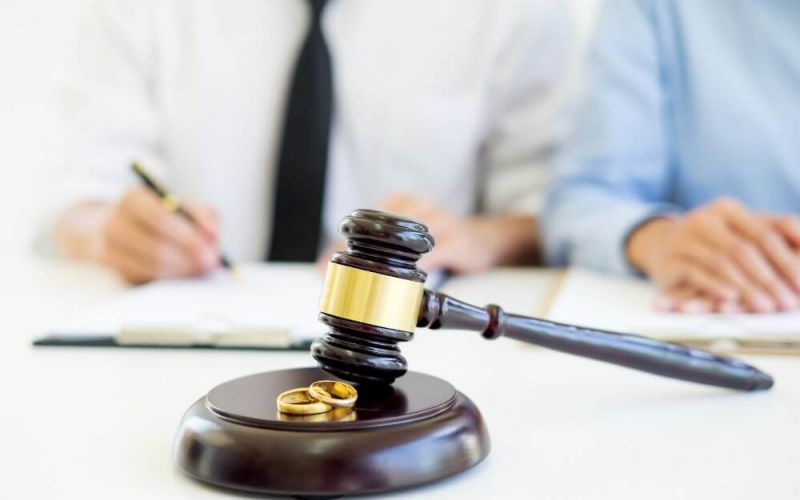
{"x": 151, "y": 234}
{"x": 173, "y": 204}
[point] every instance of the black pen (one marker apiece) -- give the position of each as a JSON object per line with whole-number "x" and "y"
{"x": 173, "y": 204}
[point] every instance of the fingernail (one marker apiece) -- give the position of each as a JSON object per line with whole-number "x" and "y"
{"x": 693, "y": 307}
{"x": 762, "y": 303}
{"x": 787, "y": 300}
{"x": 730, "y": 307}
{"x": 210, "y": 258}
{"x": 664, "y": 303}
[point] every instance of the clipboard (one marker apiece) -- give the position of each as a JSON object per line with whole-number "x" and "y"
{"x": 271, "y": 307}
{"x": 110, "y": 341}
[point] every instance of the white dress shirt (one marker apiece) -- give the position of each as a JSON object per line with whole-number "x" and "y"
{"x": 454, "y": 100}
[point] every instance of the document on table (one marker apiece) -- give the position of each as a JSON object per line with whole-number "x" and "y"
{"x": 269, "y": 307}
{"x": 626, "y": 304}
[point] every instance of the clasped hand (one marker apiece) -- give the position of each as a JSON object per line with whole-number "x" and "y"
{"x": 465, "y": 244}
{"x": 721, "y": 257}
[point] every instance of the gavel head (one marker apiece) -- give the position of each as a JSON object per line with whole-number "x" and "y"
{"x": 372, "y": 297}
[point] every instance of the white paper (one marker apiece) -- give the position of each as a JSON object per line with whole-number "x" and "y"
{"x": 626, "y": 304}
{"x": 268, "y": 306}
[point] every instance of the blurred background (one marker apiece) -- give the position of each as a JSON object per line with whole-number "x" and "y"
{"x": 35, "y": 36}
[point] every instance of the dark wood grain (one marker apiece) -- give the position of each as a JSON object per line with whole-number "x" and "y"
{"x": 388, "y": 244}
{"x": 383, "y": 243}
{"x": 419, "y": 431}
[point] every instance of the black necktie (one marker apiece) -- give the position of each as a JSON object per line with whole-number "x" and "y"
{"x": 297, "y": 217}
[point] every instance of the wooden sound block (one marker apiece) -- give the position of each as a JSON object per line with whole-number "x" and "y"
{"x": 418, "y": 431}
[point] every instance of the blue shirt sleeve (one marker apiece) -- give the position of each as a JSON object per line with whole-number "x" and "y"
{"x": 614, "y": 171}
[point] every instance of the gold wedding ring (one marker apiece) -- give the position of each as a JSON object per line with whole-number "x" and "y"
{"x": 320, "y": 397}
{"x": 334, "y": 393}
{"x": 335, "y": 415}
{"x": 299, "y": 402}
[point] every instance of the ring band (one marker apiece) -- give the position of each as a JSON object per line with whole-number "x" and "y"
{"x": 299, "y": 402}
{"x": 334, "y": 393}
{"x": 335, "y": 415}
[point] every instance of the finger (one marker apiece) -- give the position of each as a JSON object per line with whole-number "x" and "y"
{"x": 664, "y": 303}
{"x": 764, "y": 292}
{"x": 680, "y": 292}
{"x": 445, "y": 255}
{"x": 783, "y": 257}
{"x": 160, "y": 257}
{"x": 438, "y": 221}
{"x": 398, "y": 202}
{"x": 745, "y": 289}
{"x": 695, "y": 305}
{"x": 728, "y": 306}
{"x": 727, "y": 262}
{"x": 130, "y": 269}
{"x": 710, "y": 284}
{"x": 757, "y": 267}
{"x": 706, "y": 272}
{"x": 195, "y": 254}
{"x": 709, "y": 242}
{"x": 440, "y": 224}
{"x": 207, "y": 219}
{"x": 687, "y": 299}
{"x": 414, "y": 207}
{"x": 433, "y": 261}
{"x": 146, "y": 210}
{"x": 669, "y": 275}
{"x": 780, "y": 266}
{"x": 789, "y": 226}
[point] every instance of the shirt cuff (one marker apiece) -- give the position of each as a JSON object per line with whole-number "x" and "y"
{"x": 61, "y": 199}
{"x": 617, "y": 224}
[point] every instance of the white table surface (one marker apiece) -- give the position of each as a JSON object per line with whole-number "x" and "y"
{"x": 99, "y": 423}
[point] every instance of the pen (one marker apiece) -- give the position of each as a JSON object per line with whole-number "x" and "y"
{"x": 173, "y": 204}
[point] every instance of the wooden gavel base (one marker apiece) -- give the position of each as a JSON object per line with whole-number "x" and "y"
{"x": 416, "y": 432}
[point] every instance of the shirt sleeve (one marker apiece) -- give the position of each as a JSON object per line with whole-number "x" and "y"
{"x": 108, "y": 108}
{"x": 528, "y": 87}
{"x": 614, "y": 171}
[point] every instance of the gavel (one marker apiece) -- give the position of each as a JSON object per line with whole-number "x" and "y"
{"x": 374, "y": 297}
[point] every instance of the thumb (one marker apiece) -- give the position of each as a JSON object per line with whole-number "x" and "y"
{"x": 437, "y": 260}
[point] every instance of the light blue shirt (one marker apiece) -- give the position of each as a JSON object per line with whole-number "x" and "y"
{"x": 686, "y": 101}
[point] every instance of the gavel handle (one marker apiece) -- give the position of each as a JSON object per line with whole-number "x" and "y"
{"x": 633, "y": 351}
